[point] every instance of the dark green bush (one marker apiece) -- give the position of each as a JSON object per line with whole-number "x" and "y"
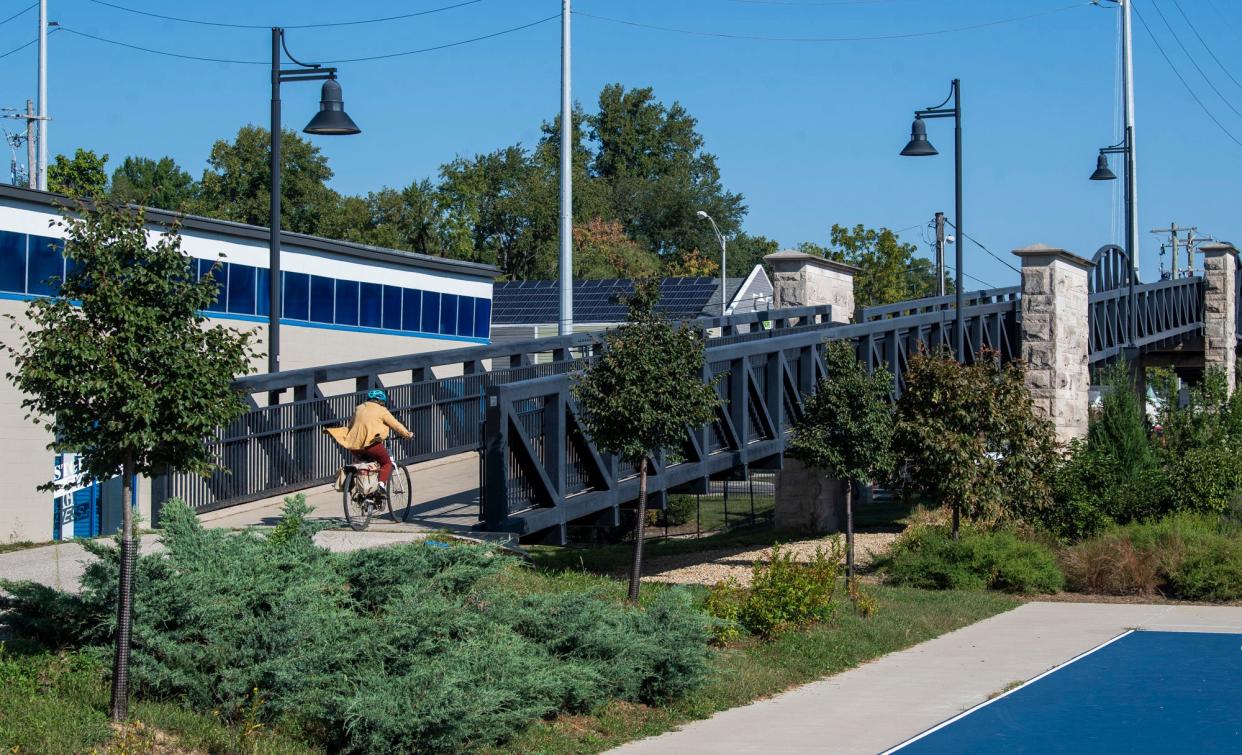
{"x": 929, "y": 557}
{"x": 679, "y": 510}
{"x": 402, "y": 649}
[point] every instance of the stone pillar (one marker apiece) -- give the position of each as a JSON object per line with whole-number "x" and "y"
{"x": 1056, "y": 337}
{"x": 804, "y": 280}
{"x": 808, "y": 502}
{"x": 1220, "y": 318}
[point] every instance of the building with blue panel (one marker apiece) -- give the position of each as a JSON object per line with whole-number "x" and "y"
{"x": 341, "y": 302}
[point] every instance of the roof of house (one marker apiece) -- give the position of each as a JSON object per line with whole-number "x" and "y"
{"x": 600, "y": 301}
{"x": 254, "y": 232}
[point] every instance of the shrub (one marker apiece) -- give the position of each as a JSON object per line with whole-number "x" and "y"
{"x": 783, "y": 594}
{"x": 679, "y": 510}
{"x": 929, "y": 557}
{"x": 401, "y": 649}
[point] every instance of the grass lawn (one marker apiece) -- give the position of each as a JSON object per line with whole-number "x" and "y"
{"x": 754, "y": 670}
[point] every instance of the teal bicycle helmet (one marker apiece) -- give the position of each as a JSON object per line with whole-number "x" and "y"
{"x": 375, "y": 394}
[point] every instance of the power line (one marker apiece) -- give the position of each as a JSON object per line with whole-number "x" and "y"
{"x": 205, "y": 59}
{"x": 200, "y": 22}
{"x": 30, "y": 7}
{"x": 872, "y": 38}
{"x": 984, "y": 248}
{"x": 1192, "y": 60}
{"x": 1203, "y": 42}
{"x": 28, "y": 44}
{"x": 1182, "y": 79}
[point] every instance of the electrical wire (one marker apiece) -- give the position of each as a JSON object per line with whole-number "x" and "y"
{"x": 1192, "y": 60}
{"x": 875, "y": 37}
{"x": 30, "y": 7}
{"x": 1203, "y": 42}
{"x": 1182, "y": 79}
{"x": 199, "y": 22}
{"x": 205, "y": 59}
{"x": 28, "y": 44}
{"x": 995, "y": 256}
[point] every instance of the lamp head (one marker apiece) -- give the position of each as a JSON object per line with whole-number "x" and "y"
{"x": 331, "y": 119}
{"x": 701, "y": 215}
{"x": 918, "y": 145}
{"x": 1102, "y": 171}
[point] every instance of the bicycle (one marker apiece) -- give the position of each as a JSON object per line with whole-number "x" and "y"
{"x": 362, "y": 497}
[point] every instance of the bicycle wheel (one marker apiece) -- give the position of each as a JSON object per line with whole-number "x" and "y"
{"x": 399, "y": 493}
{"x": 357, "y": 509}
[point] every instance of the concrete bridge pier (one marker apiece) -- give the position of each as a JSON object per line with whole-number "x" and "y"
{"x": 807, "y": 500}
{"x": 1055, "y": 337}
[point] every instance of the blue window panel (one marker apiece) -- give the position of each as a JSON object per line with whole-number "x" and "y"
{"x": 448, "y": 314}
{"x": 465, "y": 315}
{"x": 322, "y": 299}
{"x": 431, "y": 312}
{"x": 412, "y": 309}
{"x": 482, "y": 318}
{"x": 263, "y": 291}
{"x": 13, "y": 262}
{"x": 45, "y": 262}
{"x": 371, "y": 305}
{"x": 347, "y": 302}
{"x": 220, "y": 276}
{"x": 392, "y": 308}
{"x": 296, "y": 296}
{"x": 241, "y": 289}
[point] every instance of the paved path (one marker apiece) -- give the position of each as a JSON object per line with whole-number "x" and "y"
{"x": 445, "y": 495}
{"x": 893, "y": 698}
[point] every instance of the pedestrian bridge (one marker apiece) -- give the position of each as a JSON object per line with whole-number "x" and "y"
{"x": 538, "y": 469}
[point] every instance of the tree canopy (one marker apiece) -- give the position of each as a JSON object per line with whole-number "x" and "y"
{"x": 83, "y": 175}
{"x": 888, "y": 269}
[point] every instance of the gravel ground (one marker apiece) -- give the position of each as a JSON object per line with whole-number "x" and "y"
{"x": 709, "y": 567}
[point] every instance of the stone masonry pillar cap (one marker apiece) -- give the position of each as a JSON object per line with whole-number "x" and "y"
{"x": 1042, "y": 254}
{"x": 1217, "y": 248}
{"x": 790, "y": 260}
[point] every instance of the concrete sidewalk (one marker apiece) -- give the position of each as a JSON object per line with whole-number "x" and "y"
{"x": 445, "y": 498}
{"x": 883, "y": 703}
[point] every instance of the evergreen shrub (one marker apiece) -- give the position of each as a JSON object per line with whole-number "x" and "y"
{"x": 400, "y": 649}
{"x": 930, "y": 558}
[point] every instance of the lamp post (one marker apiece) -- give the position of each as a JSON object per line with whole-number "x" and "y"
{"x": 331, "y": 120}
{"x": 724, "y": 272}
{"x": 1103, "y": 173}
{"x": 920, "y": 147}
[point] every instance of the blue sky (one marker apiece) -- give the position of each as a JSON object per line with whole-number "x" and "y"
{"x": 808, "y": 131}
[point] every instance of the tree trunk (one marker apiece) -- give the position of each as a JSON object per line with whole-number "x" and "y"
{"x": 640, "y": 532}
{"x": 125, "y": 598}
{"x": 957, "y": 520}
{"x": 849, "y": 529}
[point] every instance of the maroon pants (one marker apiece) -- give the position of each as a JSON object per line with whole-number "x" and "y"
{"x": 378, "y": 454}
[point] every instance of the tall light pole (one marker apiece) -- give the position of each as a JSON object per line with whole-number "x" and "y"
{"x": 1127, "y": 80}
{"x": 724, "y": 258}
{"x": 918, "y": 146}
{"x": 42, "y": 181}
{"x": 566, "y": 325}
{"x": 1104, "y": 173}
{"x": 331, "y": 120}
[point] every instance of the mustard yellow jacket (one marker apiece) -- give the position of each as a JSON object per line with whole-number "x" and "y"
{"x": 370, "y": 425}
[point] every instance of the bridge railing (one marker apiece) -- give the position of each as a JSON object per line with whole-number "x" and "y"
{"x": 279, "y": 448}
{"x": 939, "y": 303}
{"x": 542, "y": 471}
{"x": 1166, "y": 311}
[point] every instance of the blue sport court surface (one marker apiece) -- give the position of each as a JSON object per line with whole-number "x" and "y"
{"x": 1145, "y": 692}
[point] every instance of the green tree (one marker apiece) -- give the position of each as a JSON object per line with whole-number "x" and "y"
{"x": 237, "y": 183}
{"x": 846, "y": 428}
{"x": 644, "y": 393}
{"x": 122, "y": 368}
{"x": 153, "y": 183}
{"x": 888, "y": 269}
{"x": 602, "y": 250}
{"x": 83, "y": 175}
{"x": 971, "y": 440}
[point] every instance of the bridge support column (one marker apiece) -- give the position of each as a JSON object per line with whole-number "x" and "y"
{"x": 1220, "y": 314}
{"x": 804, "y": 280}
{"x": 1056, "y": 337}
{"x": 808, "y": 502}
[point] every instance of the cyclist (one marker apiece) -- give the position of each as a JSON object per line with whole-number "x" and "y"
{"x": 365, "y": 436}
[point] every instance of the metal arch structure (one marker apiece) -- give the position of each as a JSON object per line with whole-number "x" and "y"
{"x": 1163, "y": 314}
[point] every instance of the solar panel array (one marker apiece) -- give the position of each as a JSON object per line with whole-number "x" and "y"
{"x": 596, "y": 301}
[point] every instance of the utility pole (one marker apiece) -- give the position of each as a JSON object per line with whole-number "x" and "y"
{"x": 32, "y": 181}
{"x": 15, "y": 141}
{"x": 940, "y": 254}
{"x": 1173, "y": 240}
{"x": 1127, "y": 68}
{"x": 567, "y": 191}
{"x": 42, "y": 184}
{"x": 1192, "y": 241}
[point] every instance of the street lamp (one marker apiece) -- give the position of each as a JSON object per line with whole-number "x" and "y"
{"x": 919, "y": 146}
{"x": 724, "y": 275}
{"x": 1104, "y": 173}
{"x": 331, "y": 120}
